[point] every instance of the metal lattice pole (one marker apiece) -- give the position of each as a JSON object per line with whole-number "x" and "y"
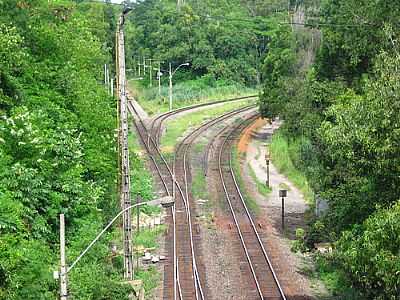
{"x": 125, "y": 170}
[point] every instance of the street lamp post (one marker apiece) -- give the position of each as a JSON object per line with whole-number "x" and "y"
{"x": 170, "y": 81}
{"x": 267, "y": 159}
{"x": 283, "y": 195}
{"x": 165, "y": 202}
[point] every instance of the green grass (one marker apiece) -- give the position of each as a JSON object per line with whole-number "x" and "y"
{"x": 177, "y": 127}
{"x": 148, "y": 237}
{"x": 150, "y": 277}
{"x": 133, "y": 140}
{"x": 281, "y": 157}
{"x": 261, "y": 186}
{"x": 250, "y": 202}
{"x": 199, "y": 186}
{"x": 187, "y": 93}
{"x": 334, "y": 280}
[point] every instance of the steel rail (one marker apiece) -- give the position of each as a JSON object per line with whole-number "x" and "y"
{"x": 161, "y": 118}
{"x": 175, "y": 183}
{"x": 186, "y": 147}
{"x": 186, "y": 199}
{"x": 179, "y": 189}
{"x": 242, "y": 239}
{"x": 132, "y": 110}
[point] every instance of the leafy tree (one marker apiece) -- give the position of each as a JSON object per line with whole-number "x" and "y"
{"x": 370, "y": 254}
{"x": 57, "y": 145}
{"x": 219, "y": 38}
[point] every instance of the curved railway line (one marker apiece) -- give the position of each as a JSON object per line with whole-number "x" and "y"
{"x": 156, "y": 123}
{"x": 182, "y": 173}
{"x": 264, "y": 280}
{"x": 188, "y": 280}
{"x": 184, "y": 274}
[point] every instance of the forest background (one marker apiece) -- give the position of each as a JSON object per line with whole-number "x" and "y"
{"x": 329, "y": 70}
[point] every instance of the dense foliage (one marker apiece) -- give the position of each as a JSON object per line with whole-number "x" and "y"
{"x": 224, "y": 39}
{"x": 57, "y": 147}
{"x": 342, "y": 115}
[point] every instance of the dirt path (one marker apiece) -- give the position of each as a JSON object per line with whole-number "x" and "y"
{"x": 295, "y": 205}
{"x": 288, "y": 265}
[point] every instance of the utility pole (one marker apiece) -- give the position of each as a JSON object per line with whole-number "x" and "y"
{"x": 139, "y": 65}
{"x": 144, "y": 66}
{"x": 151, "y": 71}
{"x": 108, "y": 77}
{"x": 170, "y": 81}
{"x": 63, "y": 270}
{"x": 267, "y": 160}
{"x": 165, "y": 202}
{"x": 138, "y": 201}
{"x": 105, "y": 74}
{"x": 124, "y": 154}
{"x": 170, "y": 87}
{"x": 112, "y": 87}
{"x": 159, "y": 79}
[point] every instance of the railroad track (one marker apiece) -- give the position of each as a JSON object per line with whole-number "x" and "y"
{"x": 187, "y": 280}
{"x": 156, "y": 124}
{"x": 183, "y": 267}
{"x": 184, "y": 202}
{"x": 263, "y": 281}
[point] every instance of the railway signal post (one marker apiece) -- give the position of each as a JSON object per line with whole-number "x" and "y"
{"x": 283, "y": 195}
{"x": 267, "y": 159}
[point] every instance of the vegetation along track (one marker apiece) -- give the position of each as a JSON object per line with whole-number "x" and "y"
{"x": 184, "y": 202}
{"x": 156, "y": 124}
{"x": 185, "y": 242}
{"x": 264, "y": 283}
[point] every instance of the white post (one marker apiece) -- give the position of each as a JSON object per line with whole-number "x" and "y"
{"x": 170, "y": 87}
{"x": 112, "y": 87}
{"x": 105, "y": 74}
{"x": 108, "y": 77}
{"x": 159, "y": 79}
{"x": 151, "y": 73}
{"x": 63, "y": 270}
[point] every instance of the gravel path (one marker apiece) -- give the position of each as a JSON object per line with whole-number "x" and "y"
{"x": 295, "y": 205}
{"x": 288, "y": 265}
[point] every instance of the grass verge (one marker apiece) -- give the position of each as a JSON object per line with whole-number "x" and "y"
{"x": 187, "y": 93}
{"x": 148, "y": 237}
{"x": 334, "y": 280}
{"x": 199, "y": 186}
{"x": 151, "y": 278}
{"x": 177, "y": 127}
{"x": 142, "y": 186}
{"x": 261, "y": 186}
{"x": 250, "y": 202}
{"x": 281, "y": 154}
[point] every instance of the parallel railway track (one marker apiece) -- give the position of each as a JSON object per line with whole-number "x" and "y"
{"x": 259, "y": 268}
{"x": 155, "y": 126}
{"x": 184, "y": 201}
{"x": 187, "y": 280}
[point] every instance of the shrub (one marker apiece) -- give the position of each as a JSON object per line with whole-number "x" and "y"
{"x": 370, "y": 254}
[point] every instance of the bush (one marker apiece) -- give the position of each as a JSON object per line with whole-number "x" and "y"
{"x": 370, "y": 254}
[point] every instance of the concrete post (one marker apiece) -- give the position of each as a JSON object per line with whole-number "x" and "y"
{"x": 170, "y": 87}
{"x": 63, "y": 270}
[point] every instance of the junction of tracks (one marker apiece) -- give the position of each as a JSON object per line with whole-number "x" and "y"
{"x": 240, "y": 263}
{"x": 187, "y": 270}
